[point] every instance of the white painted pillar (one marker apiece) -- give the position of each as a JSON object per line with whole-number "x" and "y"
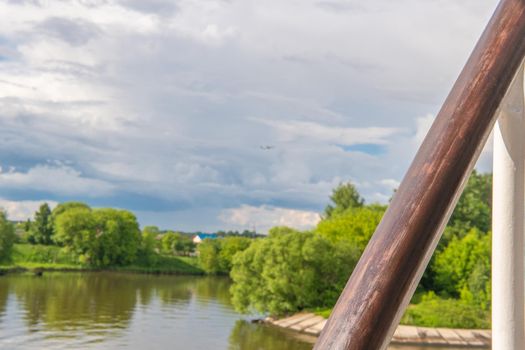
{"x": 508, "y": 222}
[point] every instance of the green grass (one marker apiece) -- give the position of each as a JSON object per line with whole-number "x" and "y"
{"x": 434, "y": 311}
{"x": 31, "y": 257}
{"x": 166, "y": 265}
{"x": 43, "y": 256}
{"x": 323, "y": 312}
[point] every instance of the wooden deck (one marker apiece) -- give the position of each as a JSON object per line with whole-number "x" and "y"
{"x": 409, "y": 335}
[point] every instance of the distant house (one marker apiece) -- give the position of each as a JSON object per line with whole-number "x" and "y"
{"x": 198, "y": 238}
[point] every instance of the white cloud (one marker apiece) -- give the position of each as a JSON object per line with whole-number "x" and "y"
{"x": 265, "y": 217}
{"x": 57, "y": 179}
{"x": 390, "y": 183}
{"x": 423, "y": 125}
{"x": 292, "y": 129}
{"x": 172, "y": 100}
{"x": 22, "y": 210}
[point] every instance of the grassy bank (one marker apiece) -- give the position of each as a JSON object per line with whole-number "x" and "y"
{"x": 27, "y": 257}
{"x": 435, "y": 311}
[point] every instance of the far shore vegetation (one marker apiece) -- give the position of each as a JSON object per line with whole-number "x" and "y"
{"x": 286, "y": 271}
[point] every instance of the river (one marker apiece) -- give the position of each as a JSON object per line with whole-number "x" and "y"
{"x": 129, "y": 311}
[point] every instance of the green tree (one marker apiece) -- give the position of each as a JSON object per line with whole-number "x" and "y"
{"x": 208, "y": 251}
{"x": 290, "y": 271}
{"x": 343, "y": 197}
{"x": 474, "y": 208}
{"x": 151, "y": 230}
{"x": 149, "y": 245}
{"x": 7, "y": 238}
{"x": 62, "y": 207}
{"x": 228, "y": 248}
{"x": 100, "y": 237}
{"x": 75, "y": 229}
{"x": 168, "y": 242}
{"x": 177, "y": 243}
{"x": 464, "y": 263}
{"x": 42, "y": 229}
{"x": 354, "y": 225}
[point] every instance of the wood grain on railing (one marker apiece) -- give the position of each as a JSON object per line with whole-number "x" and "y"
{"x": 387, "y": 274}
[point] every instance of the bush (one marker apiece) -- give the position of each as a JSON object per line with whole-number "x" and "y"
{"x": 464, "y": 262}
{"x": 43, "y": 254}
{"x": 433, "y": 311}
{"x": 290, "y": 271}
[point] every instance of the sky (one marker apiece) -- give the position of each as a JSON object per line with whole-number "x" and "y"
{"x": 201, "y": 115}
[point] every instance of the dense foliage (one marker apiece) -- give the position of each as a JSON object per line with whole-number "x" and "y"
{"x": 7, "y": 238}
{"x": 290, "y": 271}
{"x": 275, "y": 275}
{"x": 354, "y": 225}
{"x": 343, "y": 197}
{"x": 100, "y": 237}
{"x": 175, "y": 243}
{"x": 435, "y": 311}
{"x": 216, "y": 255}
{"x": 41, "y": 230}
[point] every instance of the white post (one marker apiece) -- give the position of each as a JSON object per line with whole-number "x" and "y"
{"x": 508, "y": 222}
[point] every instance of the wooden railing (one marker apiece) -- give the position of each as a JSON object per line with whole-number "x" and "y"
{"x": 391, "y": 266}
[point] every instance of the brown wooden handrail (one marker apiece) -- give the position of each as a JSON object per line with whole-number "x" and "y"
{"x": 392, "y": 264}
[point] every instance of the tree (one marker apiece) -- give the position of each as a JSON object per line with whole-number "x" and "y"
{"x": 290, "y": 271}
{"x": 149, "y": 245}
{"x": 464, "y": 263}
{"x": 355, "y": 225}
{"x": 62, "y": 207}
{"x": 151, "y": 230}
{"x": 228, "y": 248}
{"x": 209, "y": 250}
{"x": 42, "y": 229}
{"x": 474, "y": 208}
{"x": 344, "y": 196}
{"x": 473, "y": 211}
{"x": 216, "y": 255}
{"x": 7, "y": 238}
{"x": 75, "y": 229}
{"x": 176, "y": 243}
{"x": 100, "y": 237}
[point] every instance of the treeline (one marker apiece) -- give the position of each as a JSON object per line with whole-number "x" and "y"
{"x": 291, "y": 270}
{"x": 73, "y": 232}
{"x": 96, "y": 238}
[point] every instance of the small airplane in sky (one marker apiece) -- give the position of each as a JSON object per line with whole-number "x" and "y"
{"x": 267, "y": 148}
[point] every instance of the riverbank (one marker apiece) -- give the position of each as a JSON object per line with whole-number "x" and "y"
{"x": 312, "y": 324}
{"x": 39, "y": 258}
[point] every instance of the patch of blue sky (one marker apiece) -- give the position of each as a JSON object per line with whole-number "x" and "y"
{"x": 368, "y": 148}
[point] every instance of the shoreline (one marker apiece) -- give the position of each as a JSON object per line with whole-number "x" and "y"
{"x": 311, "y": 324}
{"x": 39, "y": 270}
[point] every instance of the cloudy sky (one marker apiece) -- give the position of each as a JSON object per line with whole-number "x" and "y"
{"x": 232, "y": 114}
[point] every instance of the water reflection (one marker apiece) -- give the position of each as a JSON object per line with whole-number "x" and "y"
{"x": 246, "y": 335}
{"x": 111, "y": 310}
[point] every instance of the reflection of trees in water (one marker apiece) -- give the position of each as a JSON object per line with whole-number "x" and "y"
{"x": 213, "y": 288}
{"x": 173, "y": 290}
{"x": 246, "y": 335}
{"x": 101, "y": 304}
{"x": 75, "y": 301}
{"x": 4, "y": 293}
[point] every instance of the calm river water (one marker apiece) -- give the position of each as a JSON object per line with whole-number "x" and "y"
{"x": 127, "y": 311}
